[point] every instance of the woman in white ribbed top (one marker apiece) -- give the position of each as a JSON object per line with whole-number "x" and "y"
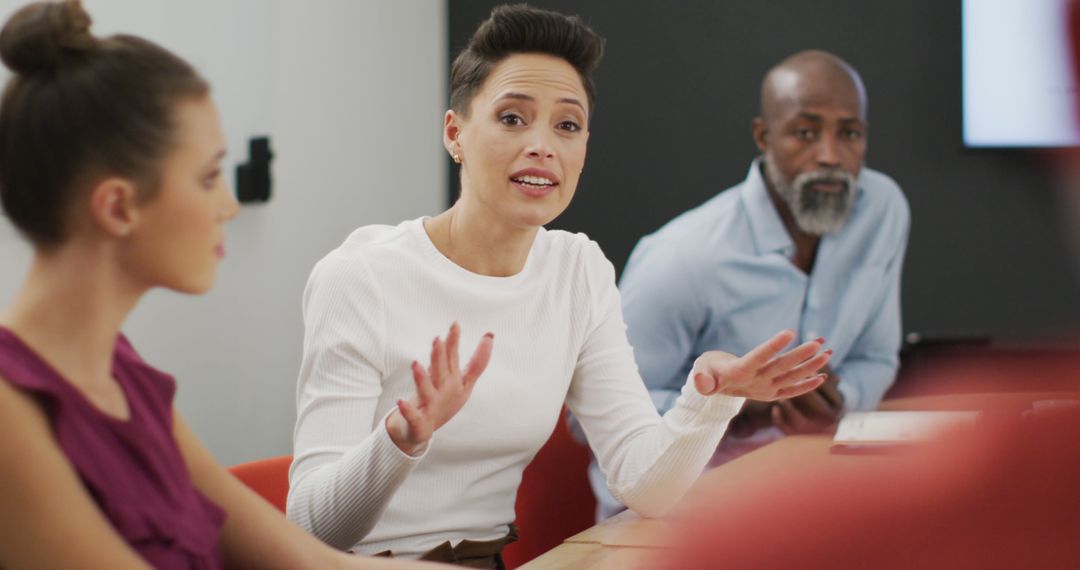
{"x": 363, "y": 477}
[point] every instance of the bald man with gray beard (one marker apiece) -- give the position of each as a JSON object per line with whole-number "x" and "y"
{"x": 811, "y": 241}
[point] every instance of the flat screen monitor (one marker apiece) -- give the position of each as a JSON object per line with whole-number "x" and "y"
{"x": 1018, "y": 87}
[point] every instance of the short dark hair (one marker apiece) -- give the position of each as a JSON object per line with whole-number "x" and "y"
{"x": 80, "y": 106}
{"x": 520, "y": 28}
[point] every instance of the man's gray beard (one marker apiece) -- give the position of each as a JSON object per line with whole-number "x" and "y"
{"x": 816, "y": 213}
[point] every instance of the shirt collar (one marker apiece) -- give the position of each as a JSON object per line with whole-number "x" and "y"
{"x": 766, "y": 226}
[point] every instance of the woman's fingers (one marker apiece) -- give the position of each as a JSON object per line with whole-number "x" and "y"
{"x": 800, "y": 388}
{"x": 802, "y": 371}
{"x": 445, "y": 362}
{"x": 706, "y": 384}
{"x": 784, "y": 362}
{"x": 438, "y": 363}
{"x": 416, "y": 421}
{"x": 425, "y": 391}
{"x": 452, "y": 348}
{"x": 479, "y": 361}
{"x": 441, "y": 389}
{"x": 761, "y": 354}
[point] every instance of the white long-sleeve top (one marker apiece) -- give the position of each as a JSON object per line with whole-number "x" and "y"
{"x": 377, "y": 302}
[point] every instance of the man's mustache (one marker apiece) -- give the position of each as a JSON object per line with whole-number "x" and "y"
{"x": 831, "y": 176}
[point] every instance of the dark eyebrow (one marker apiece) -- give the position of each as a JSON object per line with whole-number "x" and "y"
{"x": 818, "y": 118}
{"x": 572, "y": 101}
{"x": 524, "y": 97}
{"x": 513, "y": 95}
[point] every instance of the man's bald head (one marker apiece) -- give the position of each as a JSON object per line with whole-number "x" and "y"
{"x": 809, "y": 78}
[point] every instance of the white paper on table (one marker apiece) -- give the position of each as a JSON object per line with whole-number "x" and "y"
{"x": 899, "y": 426}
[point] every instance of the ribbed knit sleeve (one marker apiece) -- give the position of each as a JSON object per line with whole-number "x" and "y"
{"x": 649, "y": 461}
{"x": 345, "y": 468}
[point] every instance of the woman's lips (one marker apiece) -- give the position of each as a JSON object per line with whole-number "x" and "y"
{"x": 535, "y": 182}
{"x": 534, "y": 190}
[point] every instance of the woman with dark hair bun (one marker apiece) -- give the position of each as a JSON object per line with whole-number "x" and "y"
{"x": 110, "y": 152}
{"x": 520, "y": 102}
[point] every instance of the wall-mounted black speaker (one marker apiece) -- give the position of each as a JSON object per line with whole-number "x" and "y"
{"x": 253, "y": 177}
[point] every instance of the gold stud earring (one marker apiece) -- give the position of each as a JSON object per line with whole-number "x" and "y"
{"x": 456, "y": 157}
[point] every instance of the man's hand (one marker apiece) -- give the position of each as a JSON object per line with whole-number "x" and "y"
{"x": 812, "y": 412}
{"x": 441, "y": 390}
{"x": 762, "y": 374}
{"x": 753, "y": 416}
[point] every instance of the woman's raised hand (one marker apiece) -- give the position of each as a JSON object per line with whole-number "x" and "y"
{"x": 441, "y": 390}
{"x": 763, "y": 374}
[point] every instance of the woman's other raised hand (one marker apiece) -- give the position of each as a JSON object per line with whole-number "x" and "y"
{"x": 441, "y": 391}
{"x": 763, "y": 374}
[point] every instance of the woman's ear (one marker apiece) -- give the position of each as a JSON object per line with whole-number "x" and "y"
{"x": 452, "y": 134}
{"x": 113, "y": 206}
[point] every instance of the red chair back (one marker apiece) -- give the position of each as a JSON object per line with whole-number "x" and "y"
{"x": 554, "y": 501}
{"x": 268, "y": 477}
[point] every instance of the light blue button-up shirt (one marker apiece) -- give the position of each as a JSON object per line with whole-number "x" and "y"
{"x": 720, "y": 277}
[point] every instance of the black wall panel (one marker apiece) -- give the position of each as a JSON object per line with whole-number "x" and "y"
{"x": 679, "y": 86}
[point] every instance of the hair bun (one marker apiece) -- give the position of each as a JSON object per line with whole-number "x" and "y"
{"x": 42, "y": 36}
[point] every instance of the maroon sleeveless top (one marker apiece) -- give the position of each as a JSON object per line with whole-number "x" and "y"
{"x": 133, "y": 469}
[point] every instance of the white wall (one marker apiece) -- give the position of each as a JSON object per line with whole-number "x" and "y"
{"x": 352, "y": 94}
